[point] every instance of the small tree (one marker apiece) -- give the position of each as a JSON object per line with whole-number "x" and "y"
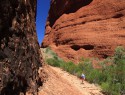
{"x": 119, "y": 69}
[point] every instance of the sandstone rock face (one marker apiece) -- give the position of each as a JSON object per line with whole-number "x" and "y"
{"x": 85, "y": 28}
{"x": 19, "y": 49}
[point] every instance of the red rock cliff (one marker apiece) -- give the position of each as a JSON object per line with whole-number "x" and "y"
{"x": 88, "y": 28}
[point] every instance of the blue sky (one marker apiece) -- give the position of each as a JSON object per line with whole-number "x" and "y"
{"x": 42, "y": 13}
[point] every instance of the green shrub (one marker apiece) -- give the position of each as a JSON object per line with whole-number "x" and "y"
{"x": 110, "y": 78}
{"x": 105, "y": 86}
{"x": 53, "y": 62}
{"x": 47, "y": 49}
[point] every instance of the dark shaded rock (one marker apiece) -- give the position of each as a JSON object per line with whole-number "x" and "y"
{"x": 19, "y": 49}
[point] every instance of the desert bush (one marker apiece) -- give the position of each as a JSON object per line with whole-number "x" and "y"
{"x": 116, "y": 74}
{"x": 70, "y": 67}
{"x": 53, "y": 62}
{"x": 111, "y": 78}
{"x": 47, "y": 49}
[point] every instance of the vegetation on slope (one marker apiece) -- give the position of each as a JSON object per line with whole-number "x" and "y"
{"x": 110, "y": 77}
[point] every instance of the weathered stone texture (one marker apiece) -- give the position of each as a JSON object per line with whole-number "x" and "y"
{"x": 85, "y": 28}
{"x": 19, "y": 49}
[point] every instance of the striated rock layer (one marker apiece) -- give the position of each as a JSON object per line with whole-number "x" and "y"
{"x": 19, "y": 49}
{"x": 85, "y": 28}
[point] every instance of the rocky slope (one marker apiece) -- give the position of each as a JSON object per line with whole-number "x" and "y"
{"x": 88, "y": 28}
{"x": 19, "y": 49}
{"x": 60, "y": 82}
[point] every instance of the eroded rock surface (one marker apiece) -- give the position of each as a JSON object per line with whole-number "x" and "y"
{"x": 19, "y": 49}
{"x": 88, "y": 28}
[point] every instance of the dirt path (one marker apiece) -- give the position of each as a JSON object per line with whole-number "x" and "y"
{"x": 60, "y": 82}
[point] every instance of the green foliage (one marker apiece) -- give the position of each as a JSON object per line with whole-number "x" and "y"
{"x": 48, "y": 49}
{"x": 70, "y": 67}
{"x": 49, "y": 52}
{"x": 111, "y": 78}
{"x": 105, "y": 86}
{"x": 53, "y": 62}
{"x": 114, "y": 83}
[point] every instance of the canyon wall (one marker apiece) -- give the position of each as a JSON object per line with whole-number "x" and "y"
{"x": 85, "y": 28}
{"x": 19, "y": 49}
